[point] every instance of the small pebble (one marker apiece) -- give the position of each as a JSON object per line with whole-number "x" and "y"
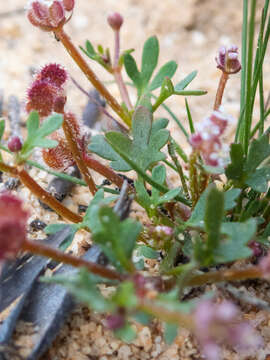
{"x": 37, "y": 225}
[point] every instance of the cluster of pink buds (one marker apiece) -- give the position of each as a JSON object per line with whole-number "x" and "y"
{"x": 208, "y": 138}
{"x": 46, "y": 94}
{"x": 49, "y": 15}
{"x": 217, "y": 324}
{"x": 115, "y": 20}
{"x": 227, "y": 60}
{"x": 12, "y": 225}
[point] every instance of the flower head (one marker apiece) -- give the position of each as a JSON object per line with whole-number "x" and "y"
{"x": 227, "y": 60}
{"x": 208, "y": 138}
{"x": 12, "y": 225}
{"x": 49, "y": 15}
{"x": 54, "y": 74}
{"x": 46, "y": 94}
{"x": 217, "y": 324}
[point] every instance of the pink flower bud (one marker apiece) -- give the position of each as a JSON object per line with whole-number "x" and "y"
{"x": 227, "y": 60}
{"x": 115, "y": 20}
{"x": 12, "y": 225}
{"x": 15, "y": 144}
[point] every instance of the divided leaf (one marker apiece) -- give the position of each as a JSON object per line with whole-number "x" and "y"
{"x": 144, "y": 149}
{"x": 36, "y": 135}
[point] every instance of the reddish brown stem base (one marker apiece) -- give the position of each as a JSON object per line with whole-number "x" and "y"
{"x": 40, "y": 249}
{"x": 43, "y": 195}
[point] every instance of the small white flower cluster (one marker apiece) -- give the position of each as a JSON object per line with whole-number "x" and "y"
{"x": 208, "y": 138}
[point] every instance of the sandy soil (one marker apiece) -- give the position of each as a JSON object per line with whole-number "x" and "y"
{"x": 190, "y": 32}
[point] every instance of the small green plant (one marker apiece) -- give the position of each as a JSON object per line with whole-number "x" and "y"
{"x": 218, "y": 213}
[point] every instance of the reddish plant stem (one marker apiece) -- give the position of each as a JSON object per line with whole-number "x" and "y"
{"x": 91, "y": 76}
{"x": 105, "y": 171}
{"x": 37, "y": 248}
{"x": 252, "y": 272}
{"x": 221, "y": 86}
{"x": 43, "y": 195}
{"x": 47, "y": 198}
{"x": 78, "y": 157}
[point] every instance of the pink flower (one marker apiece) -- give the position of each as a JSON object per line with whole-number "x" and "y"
{"x": 49, "y": 15}
{"x": 208, "y": 136}
{"x": 218, "y": 324}
{"x": 227, "y": 60}
{"x": 12, "y": 225}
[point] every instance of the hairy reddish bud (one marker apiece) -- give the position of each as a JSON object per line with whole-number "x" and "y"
{"x": 41, "y": 96}
{"x": 49, "y": 15}
{"x": 115, "y": 20}
{"x": 59, "y": 157}
{"x": 54, "y": 74}
{"x": 227, "y": 60}
{"x": 12, "y": 225}
{"x": 15, "y": 144}
{"x": 116, "y": 321}
{"x": 46, "y": 93}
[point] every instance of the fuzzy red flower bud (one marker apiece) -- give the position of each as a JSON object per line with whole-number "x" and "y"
{"x": 41, "y": 97}
{"x": 115, "y": 20}
{"x": 227, "y": 60}
{"x": 15, "y": 144}
{"x": 49, "y": 15}
{"x": 12, "y": 225}
{"x": 54, "y": 74}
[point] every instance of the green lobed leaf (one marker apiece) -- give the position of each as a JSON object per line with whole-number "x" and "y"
{"x": 235, "y": 170}
{"x": 170, "y": 332}
{"x": 259, "y": 179}
{"x": 145, "y": 147}
{"x": 117, "y": 238}
{"x": 229, "y": 198}
{"x": 83, "y": 287}
{"x": 125, "y": 296}
{"x": 36, "y": 134}
{"x": 186, "y": 81}
{"x": 126, "y": 333}
{"x": 100, "y": 146}
{"x": 132, "y": 71}
{"x": 167, "y": 70}
{"x": 149, "y": 59}
{"x": 54, "y": 228}
{"x": 235, "y": 246}
{"x": 147, "y": 252}
{"x": 259, "y": 150}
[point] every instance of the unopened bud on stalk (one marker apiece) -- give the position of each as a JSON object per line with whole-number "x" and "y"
{"x": 115, "y": 20}
{"x": 227, "y": 60}
{"x": 15, "y": 144}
